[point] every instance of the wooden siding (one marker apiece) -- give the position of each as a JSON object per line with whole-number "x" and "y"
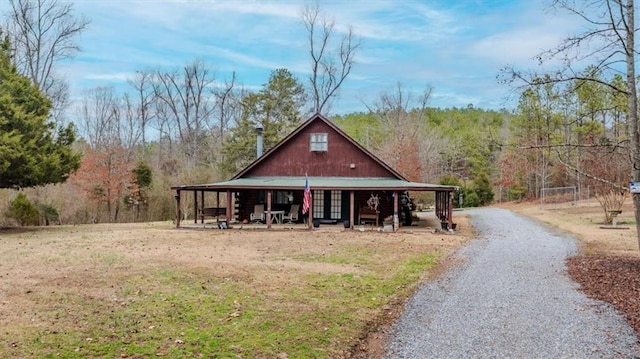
{"x": 295, "y": 159}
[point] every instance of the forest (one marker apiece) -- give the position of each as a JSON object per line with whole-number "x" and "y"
{"x": 112, "y": 156}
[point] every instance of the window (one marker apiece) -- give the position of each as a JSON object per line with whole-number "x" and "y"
{"x": 278, "y": 197}
{"x": 336, "y": 204}
{"x": 318, "y": 204}
{"x": 318, "y": 142}
{"x": 283, "y": 197}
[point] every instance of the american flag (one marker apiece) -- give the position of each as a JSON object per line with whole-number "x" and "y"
{"x": 306, "y": 201}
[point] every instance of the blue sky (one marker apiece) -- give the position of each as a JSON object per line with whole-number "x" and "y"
{"x": 454, "y": 46}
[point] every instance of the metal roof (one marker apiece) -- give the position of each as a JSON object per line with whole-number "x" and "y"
{"x": 318, "y": 183}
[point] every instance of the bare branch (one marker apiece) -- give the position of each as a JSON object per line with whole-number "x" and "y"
{"x": 44, "y": 32}
{"x": 328, "y": 70}
{"x": 588, "y": 175}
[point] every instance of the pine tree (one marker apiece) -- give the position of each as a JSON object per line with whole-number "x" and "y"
{"x": 31, "y": 152}
{"x": 276, "y": 109}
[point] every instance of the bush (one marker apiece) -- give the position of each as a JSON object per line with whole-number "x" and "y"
{"x": 483, "y": 190}
{"x": 472, "y": 200}
{"x": 23, "y": 211}
{"x": 49, "y": 213}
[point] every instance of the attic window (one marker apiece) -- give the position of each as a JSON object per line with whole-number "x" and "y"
{"x": 318, "y": 142}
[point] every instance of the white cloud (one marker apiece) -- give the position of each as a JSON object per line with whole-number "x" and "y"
{"x": 515, "y": 46}
{"x": 110, "y": 77}
{"x": 457, "y": 46}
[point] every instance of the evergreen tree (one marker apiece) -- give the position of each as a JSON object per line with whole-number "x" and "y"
{"x": 23, "y": 211}
{"x": 31, "y": 153}
{"x": 276, "y": 109}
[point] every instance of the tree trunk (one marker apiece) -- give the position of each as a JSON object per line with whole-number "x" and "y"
{"x": 633, "y": 110}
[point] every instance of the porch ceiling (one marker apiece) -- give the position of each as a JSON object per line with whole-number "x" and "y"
{"x": 318, "y": 183}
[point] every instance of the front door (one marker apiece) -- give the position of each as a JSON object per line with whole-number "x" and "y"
{"x": 327, "y": 204}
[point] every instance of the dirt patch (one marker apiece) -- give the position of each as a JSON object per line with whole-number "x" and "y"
{"x": 50, "y": 278}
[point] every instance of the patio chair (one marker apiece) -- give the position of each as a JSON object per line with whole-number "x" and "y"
{"x": 258, "y": 213}
{"x": 292, "y": 216}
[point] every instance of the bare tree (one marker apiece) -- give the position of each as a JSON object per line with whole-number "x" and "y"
{"x": 228, "y": 106}
{"x": 100, "y": 118}
{"x": 142, "y": 84}
{"x": 403, "y": 115}
{"x": 187, "y": 98}
{"x": 131, "y": 127}
{"x": 329, "y": 68}
{"x": 44, "y": 32}
{"x": 608, "y": 44}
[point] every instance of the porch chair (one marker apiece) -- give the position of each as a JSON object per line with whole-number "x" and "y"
{"x": 292, "y": 216}
{"x": 258, "y": 213}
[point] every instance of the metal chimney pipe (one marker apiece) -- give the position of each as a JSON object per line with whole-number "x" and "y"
{"x": 259, "y": 144}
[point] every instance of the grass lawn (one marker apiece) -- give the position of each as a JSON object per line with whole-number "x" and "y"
{"x": 146, "y": 290}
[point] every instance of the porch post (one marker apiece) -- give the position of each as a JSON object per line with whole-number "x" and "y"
{"x": 195, "y": 206}
{"x": 396, "y": 219}
{"x": 450, "y": 210}
{"x": 310, "y": 224}
{"x": 177, "y": 197}
{"x": 269, "y": 209}
{"x": 440, "y": 204}
{"x": 351, "y": 209}
{"x": 229, "y": 206}
{"x": 201, "y": 204}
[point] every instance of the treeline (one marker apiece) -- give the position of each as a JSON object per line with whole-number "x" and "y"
{"x": 456, "y": 146}
{"x": 113, "y": 155}
{"x": 174, "y": 132}
{"x": 174, "y": 128}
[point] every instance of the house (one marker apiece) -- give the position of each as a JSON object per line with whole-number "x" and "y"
{"x": 348, "y": 184}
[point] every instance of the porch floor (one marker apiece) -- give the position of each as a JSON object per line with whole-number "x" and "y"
{"x": 427, "y": 222}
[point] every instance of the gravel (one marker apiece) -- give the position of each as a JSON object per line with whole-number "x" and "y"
{"x": 510, "y": 298}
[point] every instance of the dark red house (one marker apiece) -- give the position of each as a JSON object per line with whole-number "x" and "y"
{"x": 348, "y": 183}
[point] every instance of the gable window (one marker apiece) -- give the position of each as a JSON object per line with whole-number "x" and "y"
{"x": 318, "y": 142}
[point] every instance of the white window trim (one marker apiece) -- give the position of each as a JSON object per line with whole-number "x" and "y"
{"x": 319, "y": 142}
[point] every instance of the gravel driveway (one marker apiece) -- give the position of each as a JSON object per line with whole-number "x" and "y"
{"x": 511, "y": 298}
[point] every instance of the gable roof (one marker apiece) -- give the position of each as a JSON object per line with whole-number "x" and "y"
{"x": 313, "y": 119}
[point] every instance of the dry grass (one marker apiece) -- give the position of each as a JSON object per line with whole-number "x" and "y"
{"x": 139, "y": 290}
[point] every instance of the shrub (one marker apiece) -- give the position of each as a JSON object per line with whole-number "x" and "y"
{"x": 483, "y": 190}
{"x": 49, "y": 213}
{"x": 23, "y": 211}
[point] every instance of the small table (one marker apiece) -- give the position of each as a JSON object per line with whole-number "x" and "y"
{"x": 276, "y": 216}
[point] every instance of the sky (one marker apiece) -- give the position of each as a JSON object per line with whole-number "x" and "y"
{"x": 454, "y": 47}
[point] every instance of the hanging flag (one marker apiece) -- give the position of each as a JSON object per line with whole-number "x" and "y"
{"x": 306, "y": 201}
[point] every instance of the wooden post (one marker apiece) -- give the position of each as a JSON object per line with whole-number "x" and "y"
{"x": 229, "y": 207}
{"x": 177, "y": 197}
{"x": 269, "y": 209}
{"x": 195, "y": 206}
{"x": 310, "y": 209}
{"x": 450, "y": 210}
{"x": 352, "y": 206}
{"x": 396, "y": 218}
{"x": 201, "y": 205}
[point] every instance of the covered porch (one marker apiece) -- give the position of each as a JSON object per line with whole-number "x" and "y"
{"x": 274, "y": 202}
